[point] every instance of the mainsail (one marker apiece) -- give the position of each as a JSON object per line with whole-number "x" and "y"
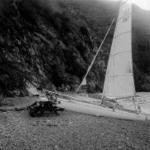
{"x": 119, "y": 82}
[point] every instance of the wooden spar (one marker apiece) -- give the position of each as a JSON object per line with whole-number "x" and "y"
{"x": 96, "y": 55}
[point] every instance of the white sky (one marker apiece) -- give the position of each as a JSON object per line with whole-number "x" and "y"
{"x": 144, "y": 4}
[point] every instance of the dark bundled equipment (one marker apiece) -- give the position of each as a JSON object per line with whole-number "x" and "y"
{"x": 38, "y": 108}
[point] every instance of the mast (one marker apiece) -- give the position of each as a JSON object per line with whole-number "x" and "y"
{"x": 119, "y": 82}
{"x": 90, "y": 66}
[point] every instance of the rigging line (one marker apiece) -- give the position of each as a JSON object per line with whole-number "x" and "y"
{"x": 113, "y": 20}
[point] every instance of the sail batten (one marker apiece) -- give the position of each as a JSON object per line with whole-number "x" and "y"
{"x": 118, "y": 35}
{"x": 119, "y": 53}
{"x": 128, "y": 74}
{"x": 119, "y": 80}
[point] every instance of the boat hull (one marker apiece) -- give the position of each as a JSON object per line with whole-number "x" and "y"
{"x": 95, "y": 110}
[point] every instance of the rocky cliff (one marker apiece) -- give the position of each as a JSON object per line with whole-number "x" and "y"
{"x": 51, "y": 43}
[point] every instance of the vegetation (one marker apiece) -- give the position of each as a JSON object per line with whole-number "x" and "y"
{"x": 51, "y": 44}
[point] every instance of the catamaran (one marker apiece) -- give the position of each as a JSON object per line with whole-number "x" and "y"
{"x": 119, "y": 81}
{"x": 119, "y": 78}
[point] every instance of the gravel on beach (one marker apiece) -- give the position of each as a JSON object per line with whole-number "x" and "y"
{"x": 70, "y": 131}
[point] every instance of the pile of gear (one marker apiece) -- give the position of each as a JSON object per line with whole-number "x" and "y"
{"x": 38, "y": 108}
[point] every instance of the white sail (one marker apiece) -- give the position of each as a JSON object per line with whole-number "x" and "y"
{"x": 119, "y": 80}
{"x": 84, "y": 82}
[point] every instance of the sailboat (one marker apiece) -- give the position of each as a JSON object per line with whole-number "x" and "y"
{"x": 119, "y": 81}
{"x": 119, "y": 78}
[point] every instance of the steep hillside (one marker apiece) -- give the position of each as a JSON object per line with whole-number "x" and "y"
{"x": 141, "y": 48}
{"x": 51, "y": 43}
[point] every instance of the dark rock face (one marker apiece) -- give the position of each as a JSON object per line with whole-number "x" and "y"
{"x": 51, "y": 44}
{"x": 141, "y": 49}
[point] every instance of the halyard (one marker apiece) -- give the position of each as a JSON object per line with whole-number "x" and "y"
{"x": 70, "y": 131}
